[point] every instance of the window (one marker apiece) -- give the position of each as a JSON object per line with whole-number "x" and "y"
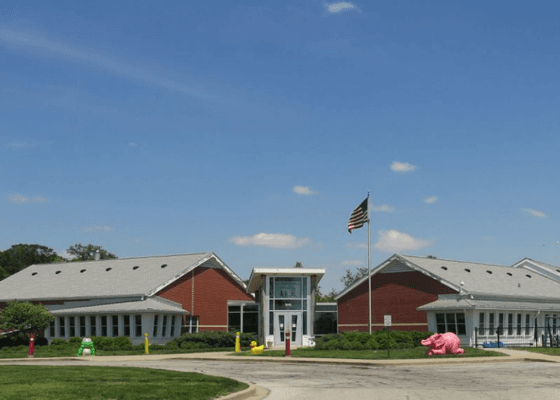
{"x": 72, "y": 327}
{"x": 554, "y": 324}
{"x": 451, "y": 322}
{"x": 115, "y": 325}
{"x": 501, "y": 323}
{"x": 138, "y": 325}
{"x": 191, "y": 325}
{"x": 104, "y": 325}
{"x": 62, "y": 331}
{"x": 155, "y": 325}
{"x": 518, "y": 324}
{"x": 325, "y": 319}
{"x": 164, "y": 326}
{"x": 82, "y": 326}
{"x": 491, "y": 324}
{"x": 527, "y": 324}
{"x": 481, "y": 323}
{"x": 172, "y": 333}
{"x": 127, "y": 325}
{"x": 510, "y": 324}
{"x": 52, "y": 332}
{"x": 243, "y": 318}
{"x": 93, "y": 325}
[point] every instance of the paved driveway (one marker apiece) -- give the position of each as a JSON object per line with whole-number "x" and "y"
{"x": 513, "y": 380}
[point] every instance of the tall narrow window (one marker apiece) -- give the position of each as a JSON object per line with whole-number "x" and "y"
{"x": 164, "y": 326}
{"x": 61, "y": 327}
{"x": 155, "y": 326}
{"x": 104, "y": 325}
{"x": 72, "y": 327}
{"x": 93, "y": 325}
{"x": 51, "y": 329}
{"x": 527, "y": 324}
{"x": 83, "y": 326}
{"x": 501, "y": 323}
{"x": 510, "y": 324}
{"x": 138, "y": 325}
{"x": 491, "y": 324}
{"x": 518, "y": 324}
{"x": 115, "y": 325}
{"x": 127, "y": 325}
{"x": 172, "y": 333}
{"x": 481, "y": 324}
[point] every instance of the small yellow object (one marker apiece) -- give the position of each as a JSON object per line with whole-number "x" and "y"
{"x": 237, "y": 343}
{"x": 256, "y": 349}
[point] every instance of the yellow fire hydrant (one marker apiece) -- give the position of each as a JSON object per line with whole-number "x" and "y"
{"x": 237, "y": 343}
{"x": 146, "y": 343}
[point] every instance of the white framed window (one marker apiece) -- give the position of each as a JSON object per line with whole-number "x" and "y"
{"x": 451, "y": 322}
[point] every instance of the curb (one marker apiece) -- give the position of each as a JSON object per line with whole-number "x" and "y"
{"x": 252, "y": 392}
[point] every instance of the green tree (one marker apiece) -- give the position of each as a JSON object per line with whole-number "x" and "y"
{"x": 87, "y": 252}
{"x": 321, "y": 297}
{"x": 350, "y": 277}
{"x": 24, "y": 317}
{"x": 21, "y": 256}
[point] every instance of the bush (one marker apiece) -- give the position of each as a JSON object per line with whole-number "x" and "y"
{"x": 122, "y": 343}
{"x": 75, "y": 340}
{"x": 377, "y": 340}
{"x": 102, "y": 342}
{"x": 41, "y": 341}
{"x": 214, "y": 339}
{"x": 59, "y": 342}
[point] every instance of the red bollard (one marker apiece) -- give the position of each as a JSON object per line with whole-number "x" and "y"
{"x": 31, "y": 345}
{"x": 287, "y": 344}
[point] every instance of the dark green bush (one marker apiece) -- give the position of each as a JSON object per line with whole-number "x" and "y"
{"x": 102, "y": 342}
{"x": 76, "y": 340}
{"x": 214, "y": 339}
{"x": 121, "y": 343}
{"x": 59, "y": 342}
{"x": 157, "y": 347}
{"x": 41, "y": 341}
{"x": 377, "y": 340}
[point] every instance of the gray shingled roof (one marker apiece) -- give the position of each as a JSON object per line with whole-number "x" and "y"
{"x": 488, "y": 279}
{"x": 106, "y": 278}
{"x": 478, "y": 279}
{"x": 465, "y": 303}
{"x": 153, "y": 304}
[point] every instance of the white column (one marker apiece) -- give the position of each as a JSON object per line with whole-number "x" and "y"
{"x": 121, "y": 325}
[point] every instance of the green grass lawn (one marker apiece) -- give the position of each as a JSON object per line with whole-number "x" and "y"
{"x": 72, "y": 383}
{"x": 72, "y": 351}
{"x": 552, "y": 351}
{"x": 418, "y": 352}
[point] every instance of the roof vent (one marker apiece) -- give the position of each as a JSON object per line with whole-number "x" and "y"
{"x": 163, "y": 265}
{"x": 443, "y": 267}
{"x": 468, "y": 270}
{"x": 509, "y": 273}
{"x": 34, "y": 273}
{"x": 108, "y": 269}
{"x": 58, "y": 272}
{"x": 432, "y": 257}
{"x": 488, "y": 271}
{"x": 519, "y": 285}
{"x": 135, "y": 267}
{"x": 528, "y": 276}
{"x": 82, "y": 270}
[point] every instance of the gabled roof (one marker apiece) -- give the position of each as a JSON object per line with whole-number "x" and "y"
{"x": 550, "y": 271}
{"x": 471, "y": 278}
{"x": 127, "y": 277}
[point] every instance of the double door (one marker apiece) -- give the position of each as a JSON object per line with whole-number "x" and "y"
{"x": 287, "y": 321}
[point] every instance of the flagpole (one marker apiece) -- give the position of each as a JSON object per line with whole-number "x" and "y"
{"x": 368, "y": 266}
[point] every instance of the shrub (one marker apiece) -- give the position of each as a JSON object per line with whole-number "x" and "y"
{"x": 214, "y": 339}
{"x": 102, "y": 342}
{"x": 121, "y": 343}
{"x": 59, "y": 342}
{"x": 75, "y": 340}
{"x": 41, "y": 341}
{"x": 157, "y": 347}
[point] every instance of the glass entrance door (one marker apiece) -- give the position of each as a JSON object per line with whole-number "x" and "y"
{"x": 283, "y": 322}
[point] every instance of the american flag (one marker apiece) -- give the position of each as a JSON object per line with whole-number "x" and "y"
{"x": 359, "y": 216}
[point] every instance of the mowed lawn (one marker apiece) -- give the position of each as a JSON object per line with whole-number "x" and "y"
{"x": 19, "y": 382}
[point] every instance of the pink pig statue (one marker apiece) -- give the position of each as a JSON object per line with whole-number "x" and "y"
{"x": 443, "y": 343}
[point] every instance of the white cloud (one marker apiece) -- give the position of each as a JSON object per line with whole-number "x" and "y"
{"x": 303, "y": 190}
{"x": 274, "y": 240}
{"x": 352, "y": 263}
{"x": 395, "y": 241}
{"x": 402, "y": 167}
{"x": 431, "y": 200}
{"x": 20, "y": 198}
{"x": 338, "y": 7}
{"x": 534, "y": 213}
{"x": 97, "y": 229}
{"x": 133, "y": 144}
{"x": 383, "y": 208}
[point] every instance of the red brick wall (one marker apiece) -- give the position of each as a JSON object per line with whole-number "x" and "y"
{"x": 212, "y": 290}
{"x": 395, "y": 294}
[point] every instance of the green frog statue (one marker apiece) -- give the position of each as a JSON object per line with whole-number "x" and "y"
{"x": 86, "y": 348}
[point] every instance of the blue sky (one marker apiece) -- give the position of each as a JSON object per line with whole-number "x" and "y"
{"x": 253, "y": 129}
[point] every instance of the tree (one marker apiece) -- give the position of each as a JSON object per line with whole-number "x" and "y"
{"x": 21, "y": 256}
{"x": 320, "y": 297}
{"x": 24, "y": 317}
{"x": 350, "y": 278}
{"x": 87, "y": 253}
